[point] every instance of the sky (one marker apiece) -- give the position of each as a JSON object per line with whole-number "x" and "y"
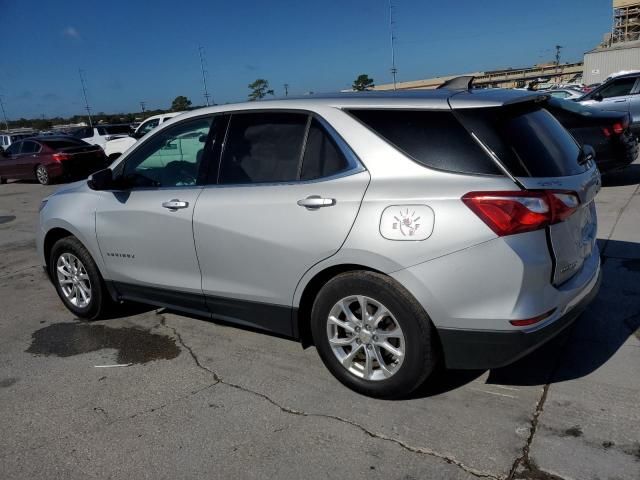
{"x": 132, "y": 51}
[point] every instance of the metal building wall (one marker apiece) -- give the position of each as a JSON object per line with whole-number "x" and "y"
{"x": 600, "y": 64}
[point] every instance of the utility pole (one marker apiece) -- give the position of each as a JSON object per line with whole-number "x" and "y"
{"x": 142, "y": 105}
{"x": 204, "y": 76}
{"x": 558, "y": 48}
{"x": 286, "y": 89}
{"x": 394, "y": 70}
{"x": 4, "y": 114}
{"x": 84, "y": 93}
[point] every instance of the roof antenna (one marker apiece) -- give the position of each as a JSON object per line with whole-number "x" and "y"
{"x": 459, "y": 83}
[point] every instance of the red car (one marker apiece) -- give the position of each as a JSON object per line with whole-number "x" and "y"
{"x": 48, "y": 159}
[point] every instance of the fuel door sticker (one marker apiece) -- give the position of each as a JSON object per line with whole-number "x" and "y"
{"x": 407, "y": 222}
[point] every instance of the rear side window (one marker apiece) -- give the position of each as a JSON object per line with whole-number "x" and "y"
{"x": 263, "y": 147}
{"x": 29, "y": 147}
{"x": 527, "y": 139}
{"x": 322, "y": 157}
{"x": 435, "y": 139}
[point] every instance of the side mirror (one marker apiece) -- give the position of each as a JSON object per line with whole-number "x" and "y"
{"x": 101, "y": 180}
{"x": 598, "y": 97}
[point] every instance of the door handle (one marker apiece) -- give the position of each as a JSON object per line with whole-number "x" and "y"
{"x": 619, "y": 101}
{"x": 175, "y": 204}
{"x": 314, "y": 202}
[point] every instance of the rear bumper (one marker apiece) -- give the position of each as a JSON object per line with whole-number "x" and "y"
{"x": 478, "y": 349}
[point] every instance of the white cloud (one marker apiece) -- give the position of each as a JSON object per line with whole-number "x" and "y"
{"x": 71, "y": 32}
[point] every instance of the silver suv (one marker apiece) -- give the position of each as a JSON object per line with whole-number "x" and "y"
{"x": 392, "y": 231}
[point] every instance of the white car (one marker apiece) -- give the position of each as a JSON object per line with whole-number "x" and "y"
{"x": 116, "y": 147}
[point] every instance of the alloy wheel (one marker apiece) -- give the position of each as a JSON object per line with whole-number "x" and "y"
{"x": 42, "y": 175}
{"x": 73, "y": 280}
{"x": 365, "y": 337}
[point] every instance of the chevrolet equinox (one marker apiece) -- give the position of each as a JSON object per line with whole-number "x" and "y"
{"x": 392, "y": 231}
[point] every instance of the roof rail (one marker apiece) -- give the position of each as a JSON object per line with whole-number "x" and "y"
{"x": 459, "y": 83}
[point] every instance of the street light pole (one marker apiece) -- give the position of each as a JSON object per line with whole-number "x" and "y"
{"x": 84, "y": 93}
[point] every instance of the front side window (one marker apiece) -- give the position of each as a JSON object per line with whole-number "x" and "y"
{"x": 263, "y": 147}
{"x": 14, "y": 148}
{"x": 617, "y": 88}
{"x": 171, "y": 158}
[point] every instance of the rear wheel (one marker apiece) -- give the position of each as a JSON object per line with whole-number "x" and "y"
{"x": 3, "y": 180}
{"x": 373, "y": 335}
{"x": 77, "y": 279}
{"x": 43, "y": 175}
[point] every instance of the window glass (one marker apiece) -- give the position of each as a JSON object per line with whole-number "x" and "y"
{"x": 618, "y": 88}
{"x": 322, "y": 157}
{"x": 115, "y": 129}
{"x": 101, "y": 131}
{"x": 171, "y": 158}
{"x": 14, "y": 148}
{"x": 29, "y": 147}
{"x": 433, "y": 138}
{"x": 527, "y": 139}
{"x": 263, "y": 147}
{"x": 64, "y": 143}
{"x": 148, "y": 126}
{"x": 560, "y": 94}
{"x": 82, "y": 132}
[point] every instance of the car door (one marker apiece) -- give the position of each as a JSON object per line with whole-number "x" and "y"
{"x": 28, "y": 159}
{"x": 8, "y": 162}
{"x": 615, "y": 95}
{"x": 285, "y": 197}
{"x": 145, "y": 228}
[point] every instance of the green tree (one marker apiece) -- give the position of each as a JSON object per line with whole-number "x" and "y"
{"x": 180, "y": 103}
{"x": 362, "y": 83}
{"x": 259, "y": 89}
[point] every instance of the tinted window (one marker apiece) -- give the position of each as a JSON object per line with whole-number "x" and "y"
{"x": 263, "y": 147}
{"x": 321, "y": 155}
{"x": 528, "y": 140}
{"x": 434, "y": 139}
{"x": 66, "y": 143}
{"x": 617, "y": 88}
{"x": 83, "y": 132}
{"x": 171, "y": 158}
{"x": 114, "y": 129}
{"x": 14, "y": 148}
{"x": 29, "y": 147}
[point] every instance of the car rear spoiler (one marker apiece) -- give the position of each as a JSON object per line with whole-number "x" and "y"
{"x": 465, "y": 96}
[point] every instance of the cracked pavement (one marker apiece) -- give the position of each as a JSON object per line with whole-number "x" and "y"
{"x": 205, "y": 399}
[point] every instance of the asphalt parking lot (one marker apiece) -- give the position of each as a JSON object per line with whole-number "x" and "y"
{"x": 207, "y": 400}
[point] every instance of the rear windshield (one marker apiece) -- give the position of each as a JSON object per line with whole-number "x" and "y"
{"x": 113, "y": 129}
{"x": 527, "y": 139}
{"x": 66, "y": 143}
{"x": 432, "y": 138}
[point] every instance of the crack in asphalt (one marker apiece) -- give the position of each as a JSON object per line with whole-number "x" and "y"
{"x": 413, "y": 449}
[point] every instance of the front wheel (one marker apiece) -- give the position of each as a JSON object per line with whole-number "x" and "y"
{"x": 77, "y": 279}
{"x": 43, "y": 175}
{"x": 373, "y": 335}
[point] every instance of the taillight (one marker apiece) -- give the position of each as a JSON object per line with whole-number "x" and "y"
{"x": 59, "y": 157}
{"x": 508, "y": 213}
{"x": 531, "y": 321}
{"x": 617, "y": 128}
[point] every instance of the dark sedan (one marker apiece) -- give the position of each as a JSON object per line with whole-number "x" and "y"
{"x": 606, "y": 131}
{"x": 50, "y": 158}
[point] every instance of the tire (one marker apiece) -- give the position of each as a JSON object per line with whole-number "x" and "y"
{"x": 3, "y": 180}
{"x": 82, "y": 276}
{"x": 42, "y": 175}
{"x": 417, "y": 340}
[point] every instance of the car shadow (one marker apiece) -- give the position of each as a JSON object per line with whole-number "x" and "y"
{"x": 583, "y": 348}
{"x": 629, "y": 175}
